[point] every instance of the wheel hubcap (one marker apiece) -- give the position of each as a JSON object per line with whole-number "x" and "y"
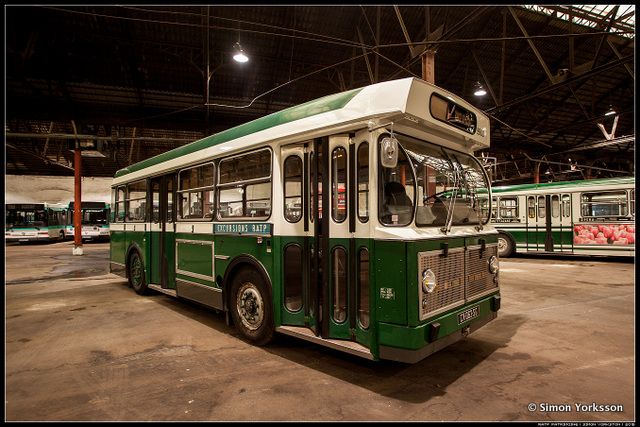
{"x": 502, "y": 244}
{"x": 250, "y": 306}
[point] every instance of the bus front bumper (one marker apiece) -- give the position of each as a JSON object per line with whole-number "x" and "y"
{"x": 421, "y": 341}
{"x": 27, "y": 238}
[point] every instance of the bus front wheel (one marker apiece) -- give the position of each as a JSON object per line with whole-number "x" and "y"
{"x": 61, "y": 235}
{"x": 136, "y": 274}
{"x": 250, "y": 307}
{"x": 505, "y": 246}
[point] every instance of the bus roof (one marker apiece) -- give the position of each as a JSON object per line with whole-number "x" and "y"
{"x": 408, "y": 97}
{"x": 297, "y": 112}
{"x": 563, "y": 184}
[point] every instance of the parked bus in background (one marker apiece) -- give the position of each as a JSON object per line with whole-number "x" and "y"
{"x": 586, "y": 217}
{"x": 353, "y": 221}
{"x": 95, "y": 221}
{"x": 26, "y": 222}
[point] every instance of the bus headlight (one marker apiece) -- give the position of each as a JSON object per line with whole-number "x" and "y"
{"x": 428, "y": 280}
{"x": 493, "y": 264}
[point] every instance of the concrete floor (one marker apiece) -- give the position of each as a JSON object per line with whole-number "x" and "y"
{"x": 81, "y": 345}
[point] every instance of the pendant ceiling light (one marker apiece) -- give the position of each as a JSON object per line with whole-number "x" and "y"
{"x": 479, "y": 90}
{"x": 239, "y": 54}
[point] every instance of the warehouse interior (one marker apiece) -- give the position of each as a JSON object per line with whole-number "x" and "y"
{"x": 193, "y": 286}
{"x": 136, "y": 81}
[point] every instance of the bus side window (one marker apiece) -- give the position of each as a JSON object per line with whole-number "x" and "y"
{"x": 531, "y": 203}
{"x": 195, "y": 192}
{"x": 339, "y": 184}
{"x": 170, "y": 184}
{"x": 244, "y": 186}
{"x": 293, "y": 189}
{"x": 120, "y": 205}
{"x": 137, "y": 201}
{"x": 363, "y": 182}
{"x": 632, "y": 203}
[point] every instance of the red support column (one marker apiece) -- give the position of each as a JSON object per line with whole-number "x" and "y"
{"x": 429, "y": 66}
{"x": 77, "y": 203}
{"x": 536, "y": 173}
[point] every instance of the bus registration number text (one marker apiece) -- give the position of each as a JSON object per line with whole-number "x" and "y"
{"x": 469, "y": 314}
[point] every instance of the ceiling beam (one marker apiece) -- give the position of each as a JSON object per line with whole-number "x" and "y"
{"x": 553, "y": 87}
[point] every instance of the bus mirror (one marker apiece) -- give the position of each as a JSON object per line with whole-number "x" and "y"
{"x": 389, "y": 152}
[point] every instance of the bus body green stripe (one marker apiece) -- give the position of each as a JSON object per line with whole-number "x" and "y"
{"x": 563, "y": 184}
{"x": 311, "y": 108}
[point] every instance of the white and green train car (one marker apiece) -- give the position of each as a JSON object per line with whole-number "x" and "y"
{"x": 586, "y": 217}
{"x": 29, "y": 222}
{"x": 353, "y": 221}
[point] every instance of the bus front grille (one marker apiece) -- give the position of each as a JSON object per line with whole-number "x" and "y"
{"x": 449, "y": 288}
{"x": 479, "y": 279}
{"x": 460, "y": 276}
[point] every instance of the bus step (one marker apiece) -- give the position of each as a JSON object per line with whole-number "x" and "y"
{"x": 171, "y": 292}
{"x": 342, "y": 345}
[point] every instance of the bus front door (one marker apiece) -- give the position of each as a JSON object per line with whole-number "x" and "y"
{"x": 299, "y": 247}
{"x": 345, "y": 279}
{"x": 325, "y": 267}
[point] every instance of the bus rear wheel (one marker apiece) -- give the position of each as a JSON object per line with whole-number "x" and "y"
{"x": 137, "y": 278}
{"x": 505, "y": 246}
{"x": 250, "y": 307}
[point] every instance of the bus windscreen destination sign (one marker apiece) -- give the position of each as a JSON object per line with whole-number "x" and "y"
{"x": 242, "y": 229}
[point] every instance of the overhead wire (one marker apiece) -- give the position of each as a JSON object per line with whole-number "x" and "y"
{"x": 215, "y": 27}
{"x": 323, "y": 39}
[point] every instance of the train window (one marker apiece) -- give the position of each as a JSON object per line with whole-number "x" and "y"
{"x": 508, "y": 207}
{"x": 603, "y": 204}
{"x": 531, "y": 205}
{"x": 555, "y": 206}
{"x": 541, "y": 207}
{"x": 566, "y": 206}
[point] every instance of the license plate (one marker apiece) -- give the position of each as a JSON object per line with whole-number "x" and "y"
{"x": 468, "y": 314}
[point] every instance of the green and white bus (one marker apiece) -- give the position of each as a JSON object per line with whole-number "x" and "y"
{"x": 94, "y": 219}
{"x": 29, "y": 222}
{"x": 353, "y": 221}
{"x": 586, "y": 217}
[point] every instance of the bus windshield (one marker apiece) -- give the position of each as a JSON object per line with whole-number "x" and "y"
{"x": 26, "y": 217}
{"x": 94, "y": 216}
{"x": 451, "y": 186}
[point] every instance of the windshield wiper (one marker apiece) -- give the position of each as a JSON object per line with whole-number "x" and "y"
{"x": 447, "y": 228}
